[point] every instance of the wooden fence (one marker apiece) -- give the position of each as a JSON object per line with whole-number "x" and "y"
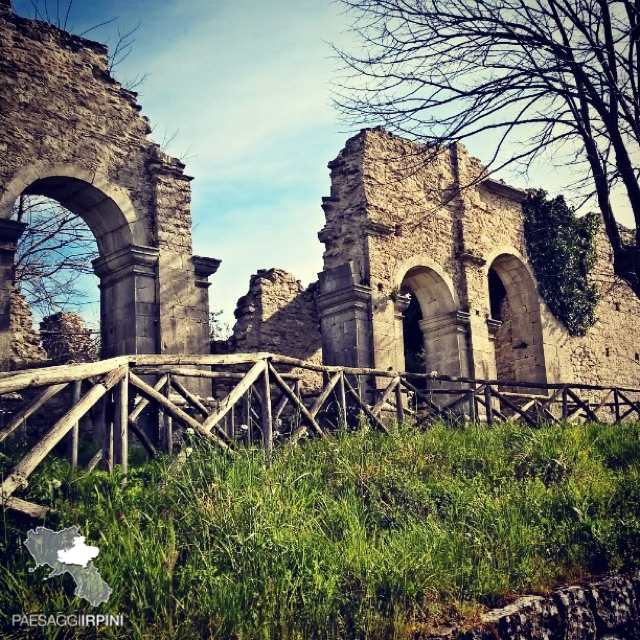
{"x": 259, "y": 398}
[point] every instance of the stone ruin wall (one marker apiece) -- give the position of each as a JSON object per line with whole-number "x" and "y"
{"x": 25, "y": 342}
{"x": 604, "y": 609}
{"x": 392, "y": 208}
{"x": 280, "y": 316}
{"x": 62, "y": 339}
{"x": 70, "y": 131}
{"x": 66, "y": 340}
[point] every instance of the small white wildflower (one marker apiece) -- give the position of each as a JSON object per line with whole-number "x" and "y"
{"x": 190, "y": 431}
{"x": 56, "y": 484}
{"x": 433, "y": 374}
{"x": 188, "y": 450}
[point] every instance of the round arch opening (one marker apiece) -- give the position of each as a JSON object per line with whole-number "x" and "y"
{"x": 433, "y": 339}
{"x": 128, "y": 315}
{"x": 100, "y": 213}
{"x": 517, "y": 327}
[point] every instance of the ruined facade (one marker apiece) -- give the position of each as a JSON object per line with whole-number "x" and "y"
{"x": 398, "y": 223}
{"x": 70, "y": 132}
{"x": 280, "y": 316}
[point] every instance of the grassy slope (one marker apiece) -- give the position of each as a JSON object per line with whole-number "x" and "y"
{"x": 367, "y": 535}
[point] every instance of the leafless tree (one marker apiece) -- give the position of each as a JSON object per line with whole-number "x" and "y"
{"x": 548, "y": 79}
{"x": 54, "y": 253}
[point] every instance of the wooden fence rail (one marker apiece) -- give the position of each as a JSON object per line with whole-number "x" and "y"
{"x": 261, "y": 398}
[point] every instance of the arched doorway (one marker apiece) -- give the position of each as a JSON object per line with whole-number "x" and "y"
{"x": 54, "y": 276}
{"x": 413, "y": 339}
{"x": 127, "y": 272}
{"x": 516, "y": 322}
{"x": 442, "y": 325}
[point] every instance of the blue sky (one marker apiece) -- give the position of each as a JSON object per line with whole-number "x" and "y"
{"x": 247, "y": 86}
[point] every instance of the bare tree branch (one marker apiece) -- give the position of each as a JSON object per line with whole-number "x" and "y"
{"x": 54, "y": 254}
{"x": 552, "y": 77}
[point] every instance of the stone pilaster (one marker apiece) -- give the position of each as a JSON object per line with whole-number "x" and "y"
{"x": 345, "y": 318}
{"x": 129, "y": 310}
{"x": 10, "y": 232}
{"x": 445, "y": 343}
{"x": 400, "y": 306}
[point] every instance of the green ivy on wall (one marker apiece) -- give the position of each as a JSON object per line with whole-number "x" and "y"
{"x": 562, "y": 252}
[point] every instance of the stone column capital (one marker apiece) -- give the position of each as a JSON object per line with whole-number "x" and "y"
{"x": 493, "y": 325}
{"x": 455, "y": 321}
{"x": 356, "y": 296}
{"x": 135, "y": 259}
{"x": 10, "y": 232}
{"x": 400, "y": 305}
{"x": 204, "y": 267}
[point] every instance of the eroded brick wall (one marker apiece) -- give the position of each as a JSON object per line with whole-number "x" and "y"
{"x": 66, "y": 339}
{"x": 25, "y": 342}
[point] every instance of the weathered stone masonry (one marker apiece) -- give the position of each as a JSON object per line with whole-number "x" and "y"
{"x": 606, "y": 609}
{"x": 397, "y": 223}
{"x": 280, "y": 316}
{"x": 70, "y": 132}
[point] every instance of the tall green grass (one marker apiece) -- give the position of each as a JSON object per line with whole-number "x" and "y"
{"x": 364, "y": 535}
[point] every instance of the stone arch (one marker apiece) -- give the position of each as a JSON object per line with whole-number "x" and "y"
{"x": 443, "y": 326}
{"x": 128, "y": 320}
{"x": 105, "y": 207}
{"x": 517, "y": 332}
{"x": 423, "y": 261}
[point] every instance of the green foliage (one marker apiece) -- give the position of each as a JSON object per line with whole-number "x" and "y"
{"x": 561, "y": 248}
{"x": 364, "y": 535}
{"x": 218, "y": 329}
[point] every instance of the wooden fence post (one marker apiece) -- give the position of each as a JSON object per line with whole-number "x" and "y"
{"x": 75, "y": 430}
{"x": 168, "y": 421}
{"x": 246, "y": 418}
{"x": 298, "y": 394}
{"x": 342, "y": 399}
{"x": 616, "y": 404}
{"x": 231, "y": 427}
{"x": 399, "y": 405}
{"x": 565, "y": 404}
{"x": 266, "y": 417}
{"x": 489, "y": 406}
{"x": 122, "y": 424}
{"x": 472, "y": 405}
{"x": 108, "y": 414}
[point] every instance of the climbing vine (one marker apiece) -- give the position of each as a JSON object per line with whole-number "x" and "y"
{"x": 562, "y": 251}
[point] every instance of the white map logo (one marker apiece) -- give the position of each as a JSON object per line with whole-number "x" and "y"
{"x": 66, "y": 552}
{"x": 80, "y": 553}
